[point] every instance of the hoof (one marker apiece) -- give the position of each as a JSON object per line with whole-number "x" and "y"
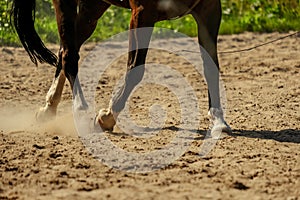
{"x": 106, "y": 120}
{"x": 226, "y": 128}
{"x": 45, "y": 114}
{"x": 219, "y": 128}
{"x": 218, "y": 124}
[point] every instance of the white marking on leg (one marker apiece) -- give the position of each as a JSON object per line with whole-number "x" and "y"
{"x": 54, "y": 94}
{"x": 79, "y": 102}
{"x": 218, "y": 124}
{"x": 52, "y": 98}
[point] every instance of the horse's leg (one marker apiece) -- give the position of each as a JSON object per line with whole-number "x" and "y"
{"x": 68, "y": 55}
{"x": 89, "y": 11}
{"x": 208, "y": 15}
{"x": 138, "y": 46}
{"x": 86, "y": 19}
{"x": 54, "y": 93}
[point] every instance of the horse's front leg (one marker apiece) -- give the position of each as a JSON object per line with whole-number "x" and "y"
{"x": 139, "y": 39}
{"x": 208, "y": 20}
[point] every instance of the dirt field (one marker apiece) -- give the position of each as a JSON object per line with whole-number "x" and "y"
{"x": 260, "y": 160}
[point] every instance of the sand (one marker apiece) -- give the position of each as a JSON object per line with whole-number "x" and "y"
{"x": 259, "y": 160}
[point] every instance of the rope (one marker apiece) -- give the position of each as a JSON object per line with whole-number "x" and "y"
{"x": 190, "y": 9}
{"x": 254, "y": 47}
{"x": 260, "y": 45}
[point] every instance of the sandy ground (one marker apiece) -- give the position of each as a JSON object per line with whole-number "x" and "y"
{"x": 260, "y": 160}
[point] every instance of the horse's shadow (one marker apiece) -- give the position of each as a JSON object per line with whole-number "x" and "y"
{"x": 285, "y": 135}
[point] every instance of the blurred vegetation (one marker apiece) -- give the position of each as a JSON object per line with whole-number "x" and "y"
{"x": 238, "y": 16}
{"x": 260, "y": 15}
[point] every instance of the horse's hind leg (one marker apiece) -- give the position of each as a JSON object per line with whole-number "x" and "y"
{"x": 138, "y": 46}
{"x": 68, "y": 56}
{"x": 208, "y": 15}
{"x": 54, "y": 93}
{"x": 71, "y": 40}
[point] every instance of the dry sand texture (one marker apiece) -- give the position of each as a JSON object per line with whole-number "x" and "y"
{"x": 260, "y": 160}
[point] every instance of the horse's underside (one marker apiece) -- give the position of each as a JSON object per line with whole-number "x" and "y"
{"x": 77, "y": 19}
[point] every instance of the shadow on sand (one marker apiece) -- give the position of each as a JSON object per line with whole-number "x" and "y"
{"x": 285, "y": 135}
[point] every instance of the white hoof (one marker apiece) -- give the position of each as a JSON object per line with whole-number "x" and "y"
{"x": 218, "y": 124}
{"x": 106, "y": 120}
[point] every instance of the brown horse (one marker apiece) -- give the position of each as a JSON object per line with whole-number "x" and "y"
{"x": 77, "y": 19}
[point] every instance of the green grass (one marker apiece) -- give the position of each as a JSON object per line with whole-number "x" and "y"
{"x": 260, "y": 16}
{"x": 238, "y": 16}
